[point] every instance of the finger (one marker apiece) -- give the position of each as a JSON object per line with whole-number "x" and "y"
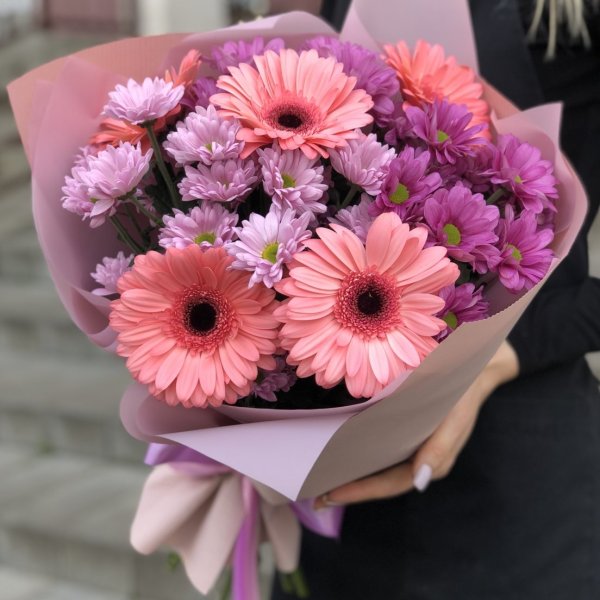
{"x": 391, "y": 482}
{"x": 438, "y": 454}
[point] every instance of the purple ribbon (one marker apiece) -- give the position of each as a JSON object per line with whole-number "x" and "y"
{"x": 245, "y": 584}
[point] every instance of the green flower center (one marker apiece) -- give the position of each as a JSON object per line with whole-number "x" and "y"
{"x": 442, "y": 136}
{"x": 270, "y": 252}
{"x": 516, "y": 253}
{"x": 518, "y": 179}
{"x": 208, "y": 146}
{"x": 453, "y": 236}
{"x": 288, "y": 181}
{"x": 451, "y": 319}
{"x": 209, "y": 237}
{"x": 400, "y": 194}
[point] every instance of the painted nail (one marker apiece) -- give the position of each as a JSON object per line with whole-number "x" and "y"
{"x": 422, "y": 477}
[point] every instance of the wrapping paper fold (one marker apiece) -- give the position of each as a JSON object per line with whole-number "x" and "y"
{"x": 299, "y": 454}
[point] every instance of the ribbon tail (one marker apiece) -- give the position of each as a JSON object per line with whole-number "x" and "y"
{"x": 245, "y": 585}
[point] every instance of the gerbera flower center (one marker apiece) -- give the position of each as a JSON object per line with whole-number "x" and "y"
{"x": 292, "y": 115}
{"x": 202, "y": 318}
{"x": 453, "y": 236}
{"x": 367, "y": 303}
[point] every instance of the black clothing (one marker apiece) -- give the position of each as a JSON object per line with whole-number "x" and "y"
{"x": 518, "y": 518}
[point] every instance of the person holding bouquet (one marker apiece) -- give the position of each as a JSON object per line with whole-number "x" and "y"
{"x": 513, "y": 512}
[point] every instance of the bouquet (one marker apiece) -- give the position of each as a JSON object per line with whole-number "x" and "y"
{"x": 296, "y": 241}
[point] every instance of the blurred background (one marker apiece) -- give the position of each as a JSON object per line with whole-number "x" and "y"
{"x": 69, "y": 475}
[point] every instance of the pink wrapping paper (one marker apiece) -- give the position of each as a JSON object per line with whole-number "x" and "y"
{"x": 297, "y": 453}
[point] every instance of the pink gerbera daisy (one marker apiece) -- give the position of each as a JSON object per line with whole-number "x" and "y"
{"x": 427, "y": 75}
{"x": 363, "y": 313}
{"x": 191, "y": 329}
{"x": 301, "y": 100}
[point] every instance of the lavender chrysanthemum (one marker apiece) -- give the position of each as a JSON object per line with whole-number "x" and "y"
{"x": 108, "y": 272}
{"x": 223, "y": 181}
{"x": 280, "y": 379}
{"x": 209, "y": 225}
{"x": 231, "y": 54}
{"x": 141, "y": 103}
{"x": 406, "y": 183}
{"x": 268, "y": 243}
{"x": 372, "y": 74}
{"x": 115, "y": 172}
{"x": 292, "y": 180}
{"x": 356, "y": 218}
{"x": 464, "y": 304}
{"x": 444, "y": 127}
{"x": 524, "y": 254}
{"x": 363, "y": 161}
{"x": 519, "y": 166}
{"x": 99, "y": 182}
{"x": 461, "y": 221}
{"x": 204, "y": 137}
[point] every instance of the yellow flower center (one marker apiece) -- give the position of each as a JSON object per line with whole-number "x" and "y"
{"x": 518, "y": 179}
{"x": 270, "y": 252}
{"x": 400, "y": 194}
{"x": 288, "y": 181}
{"x": 453, "y": 236}
{"x": 209, "y": 237}
{"x": 516, "y": 253}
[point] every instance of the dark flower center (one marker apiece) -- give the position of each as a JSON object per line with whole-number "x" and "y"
{"x": 289, "y": 121}
{"x": 369, "y": 302}
{"x": 201, "y": 318}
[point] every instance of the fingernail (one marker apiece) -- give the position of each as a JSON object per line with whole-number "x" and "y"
{"x": 422, "y": 477}
{"x": 324, "y": 502}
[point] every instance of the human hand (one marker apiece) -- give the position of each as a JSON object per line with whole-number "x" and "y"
{"x": 437, "y": 455}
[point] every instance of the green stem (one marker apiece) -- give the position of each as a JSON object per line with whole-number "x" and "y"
{"x": 496, "y": 196}
{"x": 226, "y": 593}
{"x": 125, "y": 237}
{"x": 351, "y": 193}
{"x": 133, "y": 218}
{"x": 150, "y": 216}
{"x": 162, "y": 167}
{"x": 299, "y": 582}
{"x": 285, "y": 580}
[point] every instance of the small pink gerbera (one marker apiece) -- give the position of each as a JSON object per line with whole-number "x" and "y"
{"x": 363, "y": 313}
{"x": 301, "y": 100}
{"x": 191, "y": 329}
{"x": 427, "y": 75}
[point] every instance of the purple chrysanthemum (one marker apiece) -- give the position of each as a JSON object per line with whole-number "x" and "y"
{"x": 519, "y": 166}
{"x": 76, "y": 199}
{"x": 461, "y": 221}
{"x": 372, "y": 74}
{"x": 204, "y": 137}
{"x": 444, "y": 127}
{"x": 231, "y": 54}
{"x": 464, "y": 304}
{"x": 399, "y": 128}
{"x": 524, "y": 254}
{"x": 223, "y": 181}
{"x": 363, "y": 161}
{"x": 356, "y": 218}
{"x": 209, "y": 225}
{"x": 406, "y": 183}
{"x": 108, "y": 272}
{"x": 292, "y": 180}
{"x": 280, "y": 379}
{"x": 199, "y": 92}
{"x": 266, "y": 244}
{"x": 141, "y": 103}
